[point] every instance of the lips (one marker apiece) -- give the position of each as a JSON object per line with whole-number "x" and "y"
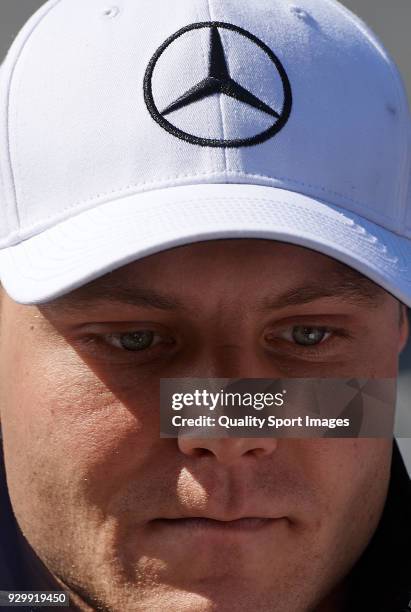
{"x": 245, "y": 524}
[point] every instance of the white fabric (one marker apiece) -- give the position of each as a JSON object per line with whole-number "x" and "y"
{"x": 81, "y": 155}
{"x": 82, "y": 248}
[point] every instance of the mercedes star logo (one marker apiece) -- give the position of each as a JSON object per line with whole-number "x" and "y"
{"x": 219, "y": 81}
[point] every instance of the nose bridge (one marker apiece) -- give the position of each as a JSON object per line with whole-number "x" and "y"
{"x": 227, "y": 451}
{"x": 244, "y": 358}
{"x": 225, "y": 343}
{"x": 228, "y": 318}
{"x": 216, "y": 360}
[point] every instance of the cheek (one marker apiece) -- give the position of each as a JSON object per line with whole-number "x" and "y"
{"x": 65, "y": 432}
{"x": 353, "y": 475}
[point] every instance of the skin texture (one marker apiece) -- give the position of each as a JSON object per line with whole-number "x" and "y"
{"x": 90, "y": 478}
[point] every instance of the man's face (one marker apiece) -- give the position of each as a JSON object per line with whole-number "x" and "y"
{"x": 109, "y": 507}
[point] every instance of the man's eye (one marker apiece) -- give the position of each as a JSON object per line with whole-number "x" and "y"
{"x": 306, "y": 336}
{"x": 133, "y": 341}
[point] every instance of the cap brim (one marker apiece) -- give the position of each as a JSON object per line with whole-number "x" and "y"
{"x": 93, "y": 243}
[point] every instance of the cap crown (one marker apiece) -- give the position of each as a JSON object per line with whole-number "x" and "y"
{"x": 97, "y": 104}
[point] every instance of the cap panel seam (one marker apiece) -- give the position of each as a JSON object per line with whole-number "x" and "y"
{"x": 220, "y": 103}
{"x": 210, "y": 156}
{"x": 231, "y": 153}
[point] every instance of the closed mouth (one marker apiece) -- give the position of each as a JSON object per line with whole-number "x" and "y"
{"x": 200, "y": 523}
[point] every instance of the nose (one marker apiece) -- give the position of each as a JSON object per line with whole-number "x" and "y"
{"x": 227, "y": 450}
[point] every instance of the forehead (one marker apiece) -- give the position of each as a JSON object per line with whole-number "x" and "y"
{"x": 212, "y": 257}
{"x": 271, "y": 270}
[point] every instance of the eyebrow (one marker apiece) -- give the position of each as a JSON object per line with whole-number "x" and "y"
{"x": 112, "y": 293}
{"x": 344, "y": 284}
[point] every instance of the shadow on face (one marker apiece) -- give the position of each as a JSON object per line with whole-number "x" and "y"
{"x": 103, "y": 501}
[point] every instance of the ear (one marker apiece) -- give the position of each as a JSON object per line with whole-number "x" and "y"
{"x": 404, "y": 328}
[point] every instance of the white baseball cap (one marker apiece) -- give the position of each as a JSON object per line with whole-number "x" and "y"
{"x": 130, "y": 129}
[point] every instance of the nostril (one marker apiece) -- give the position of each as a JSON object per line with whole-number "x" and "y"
{"x": 111, "y": 11}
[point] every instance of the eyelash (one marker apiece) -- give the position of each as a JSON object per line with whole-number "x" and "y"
{"x": 313, "y": 350}
{"x": 120, "y": 334}
{"x": 99, "y": 342}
